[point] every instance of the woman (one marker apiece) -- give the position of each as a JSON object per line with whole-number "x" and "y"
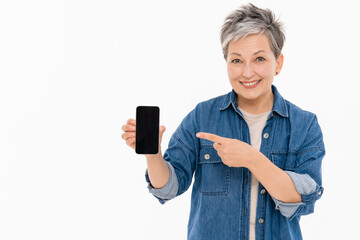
{"x": 255, "y": 156}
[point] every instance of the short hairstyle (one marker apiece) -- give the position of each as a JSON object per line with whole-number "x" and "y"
{"x": 248, "y": 20}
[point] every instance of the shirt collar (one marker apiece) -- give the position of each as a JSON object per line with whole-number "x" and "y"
{"x": 279, "y": 106}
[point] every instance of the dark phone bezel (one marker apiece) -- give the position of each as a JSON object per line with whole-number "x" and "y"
{"x": 148, "y": 143}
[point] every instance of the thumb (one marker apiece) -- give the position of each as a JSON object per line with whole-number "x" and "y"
{"x": 161, "y": 132}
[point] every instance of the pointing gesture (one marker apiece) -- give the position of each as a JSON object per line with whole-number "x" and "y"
{"x": 233, "y": 152}
{"x": 212, "y": 137}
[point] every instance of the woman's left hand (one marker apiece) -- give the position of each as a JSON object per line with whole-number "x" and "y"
{"x": 233, "y": 152}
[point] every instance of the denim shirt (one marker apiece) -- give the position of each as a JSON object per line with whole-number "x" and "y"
{"x": 220, "y": 201}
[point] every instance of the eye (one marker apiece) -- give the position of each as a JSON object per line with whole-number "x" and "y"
{"x": 236, "y": 61}
{"x": 260, "y": 59}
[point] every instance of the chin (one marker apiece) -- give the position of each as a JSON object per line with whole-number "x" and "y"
{"x": 249, "y": 96}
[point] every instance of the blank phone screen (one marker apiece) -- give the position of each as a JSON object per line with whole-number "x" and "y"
{"x": 147, "y": 130}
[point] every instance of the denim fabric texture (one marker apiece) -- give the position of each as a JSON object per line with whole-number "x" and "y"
{"x": 220, "y": 201}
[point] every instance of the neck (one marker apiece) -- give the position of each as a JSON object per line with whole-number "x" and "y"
{"x": 257, "y": 106}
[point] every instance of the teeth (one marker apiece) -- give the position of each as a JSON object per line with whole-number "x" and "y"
{"x": 250, "y": 84}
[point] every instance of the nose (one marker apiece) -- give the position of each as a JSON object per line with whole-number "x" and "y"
{"x": 248, "y": 71}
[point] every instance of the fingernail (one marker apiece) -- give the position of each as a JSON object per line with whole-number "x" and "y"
{"x": 198, "y": 134}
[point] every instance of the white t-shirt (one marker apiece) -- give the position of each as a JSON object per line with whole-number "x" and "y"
{"x": 256, "y": 123}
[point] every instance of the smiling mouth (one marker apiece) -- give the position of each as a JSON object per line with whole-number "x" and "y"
{"x": 250, "y": 84}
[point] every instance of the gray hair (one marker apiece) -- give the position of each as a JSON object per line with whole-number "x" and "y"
{"x": 248, "y": 20}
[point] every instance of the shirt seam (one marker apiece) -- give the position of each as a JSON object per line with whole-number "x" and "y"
{"x": 183, "y": 142}
{"x": 310, "y": 149}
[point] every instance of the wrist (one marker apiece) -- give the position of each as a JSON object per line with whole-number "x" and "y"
{"x": 255, "y": 159}
{"x": 154, "y": 157}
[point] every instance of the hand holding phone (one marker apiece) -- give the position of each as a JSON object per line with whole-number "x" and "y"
{"x": 157, "y": 168}
{"x": 130, "y": 132}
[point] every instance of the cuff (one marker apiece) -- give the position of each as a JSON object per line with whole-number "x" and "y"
{"x": 169, "y": 191}
{"x": 287, "y": 209}
{"x": 305, "y": 186}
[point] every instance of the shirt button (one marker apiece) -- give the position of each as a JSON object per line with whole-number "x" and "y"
{"x": 262, "y": 191}
{"x": 261, "y": 220}
{"x": 207, "y": 156}
{"x": 266, "y": 135}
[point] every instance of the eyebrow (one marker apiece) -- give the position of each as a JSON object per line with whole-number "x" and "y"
{"x": 255, "y": 53}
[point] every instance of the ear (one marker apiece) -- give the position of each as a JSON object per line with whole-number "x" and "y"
{"x": 279, "y": 63}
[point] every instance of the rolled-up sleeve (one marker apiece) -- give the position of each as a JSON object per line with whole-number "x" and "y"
{"x": 169, "y": 191}
{"x": 305, "y": 186}
{"x": 307, "y": 175}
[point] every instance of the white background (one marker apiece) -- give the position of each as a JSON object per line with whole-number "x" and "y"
{"x": 72, "y": 72}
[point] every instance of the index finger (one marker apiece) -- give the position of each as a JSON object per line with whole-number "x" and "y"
{"x": 210, "y": 137}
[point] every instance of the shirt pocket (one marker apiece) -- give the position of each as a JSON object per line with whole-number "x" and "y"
{"x": 215, "y": 179}
{"x": 284, "y": 160}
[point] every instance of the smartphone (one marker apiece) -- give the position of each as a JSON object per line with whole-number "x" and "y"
{"x": 147, "y": 130}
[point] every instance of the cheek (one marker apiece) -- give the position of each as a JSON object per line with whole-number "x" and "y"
{"x": 266, "y": 70}
{"x": 233, "y": 72}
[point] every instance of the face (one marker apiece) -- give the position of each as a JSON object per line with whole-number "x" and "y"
{"x": 251, "y": 67}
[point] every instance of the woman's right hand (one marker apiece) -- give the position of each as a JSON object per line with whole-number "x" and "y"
{"x": 157, "y": 168}
{"x": 130, "y": 132}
